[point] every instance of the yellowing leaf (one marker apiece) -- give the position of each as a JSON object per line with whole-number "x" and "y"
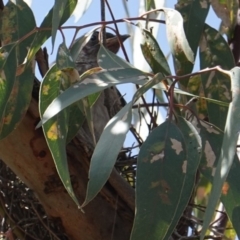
{"x": 52, "y": 133}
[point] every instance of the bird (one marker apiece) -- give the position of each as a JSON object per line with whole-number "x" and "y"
{"x": 110, "y": 100}
{"x": 87, "y": 58}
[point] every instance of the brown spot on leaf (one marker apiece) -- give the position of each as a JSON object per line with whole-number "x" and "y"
{"x": 165, "y": 186}
{"x": 165, "y": 199}
{"x": 225, "y": 188}
{"x": 155, "y": 184}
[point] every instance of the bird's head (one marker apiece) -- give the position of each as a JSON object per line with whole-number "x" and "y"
{"x": 88, "y": 56}
{"x": 112, "y": 42}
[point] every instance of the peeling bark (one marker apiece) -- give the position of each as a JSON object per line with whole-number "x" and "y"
{"x": 108, "y": 216}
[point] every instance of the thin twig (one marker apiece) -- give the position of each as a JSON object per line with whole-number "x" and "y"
{"x": 153, "y": 121}
{"x": 117, "y": 31}
{"x": 110, "y": 22}
{"x": 43, "y": 223}
{"x": 151, "y": 105}
{"x": 103, "y": 18}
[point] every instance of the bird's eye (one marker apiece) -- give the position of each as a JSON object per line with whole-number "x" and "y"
{"x": 94, "y": 37}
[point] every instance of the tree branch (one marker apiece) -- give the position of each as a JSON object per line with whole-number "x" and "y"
{"x": 32, "y": 162}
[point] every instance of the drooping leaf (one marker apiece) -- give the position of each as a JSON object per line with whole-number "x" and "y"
{"x": 14, "y": 16}
{"x": 110, "y": 143}
{"x": 156, "y": 60}
{"x": 228, "y": 149}
{"x": 136, "y": 35}
{"x": 20, "y": 96}
{"x": 149, "y": 4}
{"x": 81, "y": 8}
{"x": 214, "y": 51}
{"x": 226, "y": 10}
{"x": 195, "y": 87}
{"x": 194, "y": 150}
{"x": 194, "y": 14}
{"x": 179, "y": 46}
{"x": 56, "y": 129}
{"x": 231, "y": 194}
{"x": 92, "y": 84}
{"x": 211, "y": 141}
{"x": 236, "y": 219}
{"x": 154, "y": 55}
{"x": 162, "y": 155}
{"x": 42, "y": 36}
{"x": 58, "y": 10}
{"x": 18, "y": 102}
{"x": 8, "y": 66}
{"x": 86, "y": 105}
{"x": 66, "y": 63}
{"x": 75, "y": 122}
{"x": 106, "y": 151}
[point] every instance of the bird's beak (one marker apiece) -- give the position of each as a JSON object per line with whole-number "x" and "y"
{"x": 113, "y": 43}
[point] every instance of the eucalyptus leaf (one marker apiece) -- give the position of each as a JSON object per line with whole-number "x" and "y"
{"x": 228, "y": 150}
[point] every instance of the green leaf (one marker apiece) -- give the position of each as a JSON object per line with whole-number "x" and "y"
{"x": 162, "y": 155}
{"x": 75, "y": 122}
{"x": 228, "y": 149}
{"x": 82, "y": 108}
{"x": 214, "y": 51}
{"x": 194, "y": 14}
{"x": 64, "y": 58}
{"x": 113, "y": 135}
{"x": 8, "y": 66}
{"x": 18, "y": 102}
{"x": 156, "y": 60}
{"x": 56, "y": 129}
{"x": 86, "y": 105}
{"x": 108, "y": 60}
{"x": 227, "y": 11}
{"x": 195, "y": 87}
{"x": 194, "y": 149}
{"x": 92, "y": 84}
{"x": 14, "y": 17}
{"x": 20, "y": 96}
{"x": 154, "y": 55}
{"x": 231, "y": 194}
{"x": 42, "y": 36}
{"x": 211, "y": 141}
{"x": 236, "y": 219}
{"x": 106, "y": 151}
{"x": 149, "y": 4}
{"x": 75, "y": 117}
{"x": 58, "y": 10}
{"x": 66, "y": 63}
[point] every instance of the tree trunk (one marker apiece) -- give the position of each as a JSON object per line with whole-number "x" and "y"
{"x": 108, "y": 216}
